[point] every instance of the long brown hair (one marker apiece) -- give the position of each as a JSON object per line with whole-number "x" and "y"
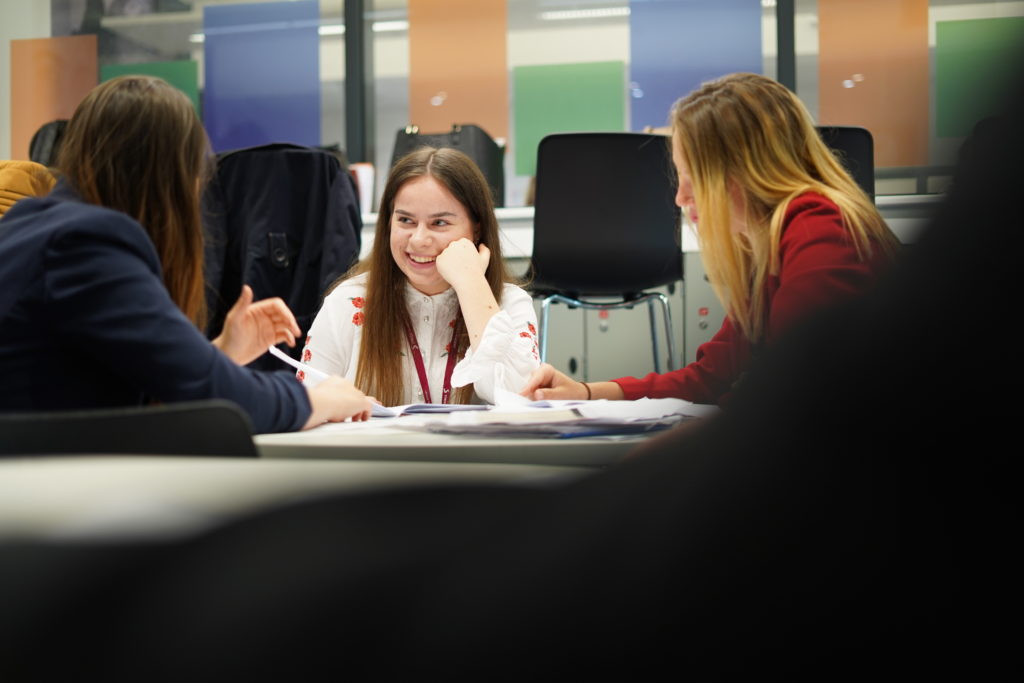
{"x": 380, "y": 366}
{"x": 749, "y": 132}
{"x": 135, "y": 145}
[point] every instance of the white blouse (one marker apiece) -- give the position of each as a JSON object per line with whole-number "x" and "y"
{"x": 505, "y": 357}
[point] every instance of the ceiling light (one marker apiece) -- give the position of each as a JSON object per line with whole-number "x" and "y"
{"x": 596, "y": 13}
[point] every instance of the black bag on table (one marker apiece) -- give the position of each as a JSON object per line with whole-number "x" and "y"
{"x": 468, "y": 138}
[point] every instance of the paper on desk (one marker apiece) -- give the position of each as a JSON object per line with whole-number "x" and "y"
{"x": 504, "y": 398}
{"x": 553, "y": 423}
{"x": 642, "y": 408}
{"x": 600, "y": 411}
{"x": 414, "y": 408}
{"x": 566, "y": 419}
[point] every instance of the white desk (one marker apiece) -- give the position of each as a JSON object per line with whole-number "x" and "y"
{"x": 384, "y": 439}
{"x": 136, "y": 497}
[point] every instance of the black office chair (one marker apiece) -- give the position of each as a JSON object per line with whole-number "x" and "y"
{"x": 606, "y": 226}
{"x": 46, "y": 141}
{"x": 468, "y": 138}
{"x": 283, "y": 219}
{"x": 213, "y": 428}
{"x": 855, "y": 148}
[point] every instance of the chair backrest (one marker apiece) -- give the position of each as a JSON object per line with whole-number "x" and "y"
{"x": 855, "y": 148}
{"x": 214, "y": 428}
{"x": 283, "y": 219}
{"x": 45, "y": 143}
{"x": 605, "y": 219}
{"x": 468, "y": 138}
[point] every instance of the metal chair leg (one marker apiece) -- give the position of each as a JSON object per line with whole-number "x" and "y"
{"x": 654, "y": 335}
{"x": 669, "y": 334}
{"x": 545, "y": 309}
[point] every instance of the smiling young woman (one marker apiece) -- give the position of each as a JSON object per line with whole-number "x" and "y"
{"x": 431, "y": 315}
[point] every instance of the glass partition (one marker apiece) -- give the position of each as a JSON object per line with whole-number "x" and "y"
{"x": 911, "y": 71}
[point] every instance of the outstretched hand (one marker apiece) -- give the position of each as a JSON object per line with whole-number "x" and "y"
{"x": 463, "y": 262}
{"x": 545, "y": 383}
{"x": 337, "y": 399}
{"x": 250, "y": 327}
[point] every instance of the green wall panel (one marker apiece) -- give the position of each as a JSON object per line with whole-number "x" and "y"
{"x": 563, "y": 98}
{"x": 183, "y": 75}
{"x": 974, "y": 58}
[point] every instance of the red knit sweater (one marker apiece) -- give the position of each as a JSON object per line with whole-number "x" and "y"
{"x": 818, "y": 267}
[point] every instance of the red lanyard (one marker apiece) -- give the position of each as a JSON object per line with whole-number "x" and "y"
{"x": 417, "y": 357}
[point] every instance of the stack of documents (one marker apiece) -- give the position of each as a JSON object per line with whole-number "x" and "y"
{"x": 566, "y": 419}
{"x": 514, "y": 415}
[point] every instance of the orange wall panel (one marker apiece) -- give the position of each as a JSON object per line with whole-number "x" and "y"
{"x": 49, "y": 77}
{"x": 458, "y": 70}
{"x": 880, "y": 48}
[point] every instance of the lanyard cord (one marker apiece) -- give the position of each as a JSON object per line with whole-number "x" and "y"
{"x": 417, "y": 358}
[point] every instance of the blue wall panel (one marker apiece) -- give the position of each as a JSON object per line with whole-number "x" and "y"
{"x": 675, "y": 45}
{"x": 262, "y": 74}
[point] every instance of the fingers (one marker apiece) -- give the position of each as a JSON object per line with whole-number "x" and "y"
{"x": 284, "y": 336}
{"x": 541, "y": 377}
{"x": 282, "y": 314}
{"x": 243, "y": 302}
{"x": 549, "y": 395}
{"x": 335, "y": 400}
{"x": 485, "y": 256}
{"x": 558, "y": 393}
{"x": 464, "y": 250}
{"x": 276, "y": 314}
{"x": 245, "y": 298}
{"x": 366, "y": 414}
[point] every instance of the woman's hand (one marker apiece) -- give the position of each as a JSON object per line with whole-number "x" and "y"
{"x": 546, "y": 383}
{"x": 250, "y": 328}
{"x": 335, "y": 400}
{"x": 463, "y": 263}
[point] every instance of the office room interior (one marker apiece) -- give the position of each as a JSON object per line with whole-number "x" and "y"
{"x": 359, "y": 77}
{"x": 546, "y": 67}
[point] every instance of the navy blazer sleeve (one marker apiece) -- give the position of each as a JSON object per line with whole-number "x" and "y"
{"x": 105, "y": 296}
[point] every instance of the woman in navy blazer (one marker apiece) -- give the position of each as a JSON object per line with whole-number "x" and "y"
{"x": 101, "y": 282}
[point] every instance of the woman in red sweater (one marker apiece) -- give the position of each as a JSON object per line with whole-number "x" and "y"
{"x": 783, "y": 229}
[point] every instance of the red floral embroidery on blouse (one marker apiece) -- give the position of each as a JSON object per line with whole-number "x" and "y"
{"x": 306, "y": 355}
{"x": 451, "y": 324}
{"x": 301, "y": 375}
{"x": 358, "y": 301}
{"x": 448, "y": 348}
{"x": 358, "y": 318}
{"x": 525, "y": 335}
{"x": 533, "y": 330}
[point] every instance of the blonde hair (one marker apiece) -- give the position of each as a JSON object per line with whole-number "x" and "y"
{"x": 135, "y": 145}
{"x": 747, "y": 133}
{"x": 380, "y": 366}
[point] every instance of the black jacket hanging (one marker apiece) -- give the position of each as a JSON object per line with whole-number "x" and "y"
{"x": 283, "y": 219}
